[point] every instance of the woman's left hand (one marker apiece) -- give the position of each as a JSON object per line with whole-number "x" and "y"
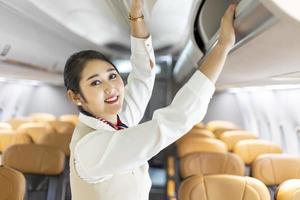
{"x": 227, "y": 34}
{"x": 136, "y": 8}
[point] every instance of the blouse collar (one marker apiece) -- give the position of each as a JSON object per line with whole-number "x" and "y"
{"x": 94, "y": 123}
{"x": 98, "y": 123}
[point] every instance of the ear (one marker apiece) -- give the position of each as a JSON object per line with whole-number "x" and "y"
{"x": 75, "y": 98}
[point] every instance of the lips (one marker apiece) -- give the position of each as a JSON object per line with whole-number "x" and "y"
{"x": 112, "y": 99}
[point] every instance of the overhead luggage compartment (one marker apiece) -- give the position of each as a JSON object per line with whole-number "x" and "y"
{"x": 267, "y": 41}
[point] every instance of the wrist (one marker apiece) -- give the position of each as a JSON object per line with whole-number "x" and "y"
{"x": 224, "y": 47}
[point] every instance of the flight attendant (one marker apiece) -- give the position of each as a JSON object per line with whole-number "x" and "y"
{"x": 109, "y": 150}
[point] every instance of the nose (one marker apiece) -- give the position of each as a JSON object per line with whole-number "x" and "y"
{"x": 109, "y": 88}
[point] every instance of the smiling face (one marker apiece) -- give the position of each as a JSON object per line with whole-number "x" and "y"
{"x": 102, "y": 88}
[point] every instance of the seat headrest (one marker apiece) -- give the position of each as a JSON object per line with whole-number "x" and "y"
{"x": 5, "y": 125}
{"x": 42, "y": 117}
{"x": 196, "y": 133}
{"x": 60, "y": 141}
{"x": 34, "y": 159}
{"x": 225, "y": 187}
{"x": 69, "y": 118}
{"x": 211, "y": 163}
{"x": 248, "y": 150}
{"x": 201, "y": 132}
{"x": 35, "y": 130}
{"x": 12, "y": 184}
{"x": 194, "y": 145}
{"x": 62, "y": 127}
{"x": 219, "y": 124}
{"x": 8, "y": 139}
{"x": 288, "y": 190}
{"x": 199, "y": 125}
{"x": 273, "y": 169}
{"x": 230, "y": 138}
{"x": 16, "y": 122}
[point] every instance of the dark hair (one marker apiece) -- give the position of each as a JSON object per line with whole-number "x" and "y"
{"x": 75, "y": 65}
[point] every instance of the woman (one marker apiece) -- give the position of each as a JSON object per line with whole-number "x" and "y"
{"x": 109, "y": 160}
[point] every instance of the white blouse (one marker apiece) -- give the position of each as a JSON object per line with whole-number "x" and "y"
{"x": 106, "y": 164}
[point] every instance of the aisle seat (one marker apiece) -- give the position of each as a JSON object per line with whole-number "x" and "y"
{"x": 222, "y": 187}
{"x": 12, "y": 184}
{"x": 274, "y": 169}
{"x": 69, "y": 118}
{"x": 206, "y": 163}
{"x": 288, "y": 190}
{"x": 60, "y": 141}
{"x": 200, "y": 145}
{"x": 42, "y": 167}
{"x": 9, "y": 139}
{"x": 196, "y": 133}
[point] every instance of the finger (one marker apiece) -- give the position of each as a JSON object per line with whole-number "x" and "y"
{"x": 230, "y": 11}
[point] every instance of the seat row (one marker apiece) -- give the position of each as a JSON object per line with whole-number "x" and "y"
{"x": 14, "y": 123}
{"x": 36, "y": 132}
{"x": 39, "y": 150}
{"x": 272, "y": 170}
{"x": 204, "y": 151}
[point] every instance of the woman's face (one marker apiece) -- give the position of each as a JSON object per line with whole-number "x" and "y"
{"x": 102, "y": 88}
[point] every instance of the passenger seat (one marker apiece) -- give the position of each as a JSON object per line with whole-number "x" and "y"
{"x": 69, "y": 118}
{"x": 274, "y": 169}
{"x": 35, "y": 130}
{"x": 42, "y": 167}
{"x": 5, "y": 126}
{"x": 193, "y": 145}
{"x": 222, "y": 187}
{"x": 10, "y": 138}
{"x": 12, "y": 184}
{"x": 207, "y": 163}
{"x": 250, "y": 149}
{"x": 288, "y": 190}
{"x": 61, "y": 127}
{"x": 219, "y": 126}
{"x": 231, "y": 138}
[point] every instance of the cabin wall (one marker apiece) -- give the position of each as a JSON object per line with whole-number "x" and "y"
{"x": 18, "y": 99}
{"x": 273, "y": 114}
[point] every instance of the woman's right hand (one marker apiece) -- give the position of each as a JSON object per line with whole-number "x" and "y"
{"x": 227, "y": 34}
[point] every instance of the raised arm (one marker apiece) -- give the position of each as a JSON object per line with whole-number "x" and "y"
{"x": 141, "y": 79}
{"x": 214, "y": 61}
{"x": 138, "y": 27}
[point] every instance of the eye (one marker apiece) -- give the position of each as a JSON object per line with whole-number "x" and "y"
{"x": 112, "y": 76}
{"x": 96, "y": 82}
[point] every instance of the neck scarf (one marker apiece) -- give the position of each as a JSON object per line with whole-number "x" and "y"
{"x": 119, "y": 126}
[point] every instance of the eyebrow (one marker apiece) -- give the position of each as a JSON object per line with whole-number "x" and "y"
{"x": 95, "y": 75}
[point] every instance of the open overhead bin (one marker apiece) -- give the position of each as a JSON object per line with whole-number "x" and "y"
{"x": 267, "y": 41}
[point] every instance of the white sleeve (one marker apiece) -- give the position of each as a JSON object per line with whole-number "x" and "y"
{"x": 100, "y": 154}
{"x": 140, "y": 81}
